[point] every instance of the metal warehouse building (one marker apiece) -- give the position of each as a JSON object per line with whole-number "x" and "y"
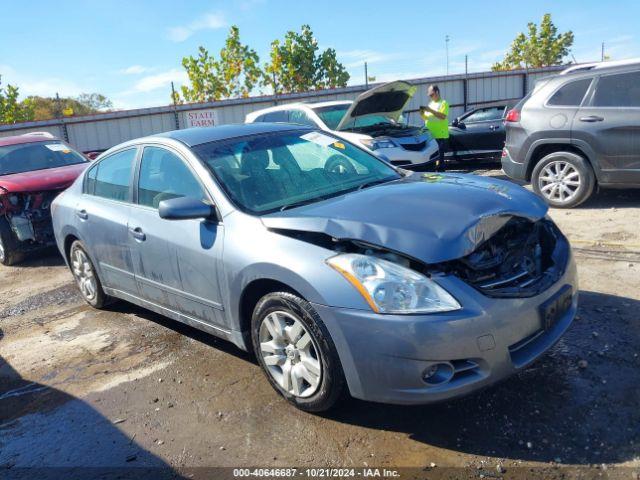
{"x": 102, "y": 131}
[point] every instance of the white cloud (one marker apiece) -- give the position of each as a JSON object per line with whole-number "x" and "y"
{"x": 356, "y": 58}
{"x": 134, "y": 70}
{"x": 209, "y": 21}
{"x": 38, "y": 86}
{"x": 160, "y": 80}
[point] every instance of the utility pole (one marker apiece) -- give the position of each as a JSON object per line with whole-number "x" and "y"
{"x": 466, "y": 64}
{"x": 59, "y": 115}
{"x": 175, "y": 107}
{"x": 446, "y": 42}
{"x": 275, "y": 88}
{"x": 602, "y": 53}
{"x": 366, "y": 76}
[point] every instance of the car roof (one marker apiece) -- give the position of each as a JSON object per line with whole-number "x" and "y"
{"x": 20, "y": 139}
{"x": 311, "y": 105}
{"x": 197, "y": 136}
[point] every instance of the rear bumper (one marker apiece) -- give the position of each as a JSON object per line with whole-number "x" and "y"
{"x": 513, "y": 169}
{"x": 384, "y": 357}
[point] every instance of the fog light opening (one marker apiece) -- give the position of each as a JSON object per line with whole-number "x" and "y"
{"x": 438, "y": 373}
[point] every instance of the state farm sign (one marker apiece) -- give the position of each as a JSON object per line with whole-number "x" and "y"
{"x": 200, "y": 118}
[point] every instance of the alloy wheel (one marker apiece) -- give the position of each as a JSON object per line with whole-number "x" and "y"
{"x": 559, "y": 181}
{"x": 290, "y": 354}
{"x": 84, "y": 274}
{"x": 2, "y": 251}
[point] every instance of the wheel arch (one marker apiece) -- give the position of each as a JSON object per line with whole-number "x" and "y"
{"x": 541, "y": 149}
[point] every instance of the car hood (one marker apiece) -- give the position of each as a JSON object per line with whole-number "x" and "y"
{"x": 430, "y": 217}
{"x": 39, "y": 180}
{"x": 388, "y": 100}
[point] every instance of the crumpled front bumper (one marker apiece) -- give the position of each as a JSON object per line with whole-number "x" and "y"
{"x": 384, "y": 357}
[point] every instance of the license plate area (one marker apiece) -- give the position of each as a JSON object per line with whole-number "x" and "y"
{"x": 554, "y": 308}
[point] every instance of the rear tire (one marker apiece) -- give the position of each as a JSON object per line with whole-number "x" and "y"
{"x": 9, "y": 254}
{"x": 563, "y": 179}
{"x": 86, "y": 276}
{"x": 296, "y": 352}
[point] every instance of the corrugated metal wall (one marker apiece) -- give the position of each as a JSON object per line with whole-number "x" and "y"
{"x": 102, "y": 131}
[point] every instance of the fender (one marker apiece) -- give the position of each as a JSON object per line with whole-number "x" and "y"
{"x": 581, "y": 145}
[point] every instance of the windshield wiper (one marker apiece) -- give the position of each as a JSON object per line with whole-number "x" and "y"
{"x": 373, "y": 183}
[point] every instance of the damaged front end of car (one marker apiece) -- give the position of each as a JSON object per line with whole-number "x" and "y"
{"x": 28, "y": 216}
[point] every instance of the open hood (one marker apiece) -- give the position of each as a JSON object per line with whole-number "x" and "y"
{"x": 432, "y": 217}
{"x": 389, "y": 100}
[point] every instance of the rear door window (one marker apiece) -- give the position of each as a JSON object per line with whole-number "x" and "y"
{"x": 485, "y": 114}
{"x": 301, "y": 118}
{"x": 571, "y": 94}
{"x": 111, "y": 177}
{"x": 621, "y": 90}
{"x": 277, "y": 116}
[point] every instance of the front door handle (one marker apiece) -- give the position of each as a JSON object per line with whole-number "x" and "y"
{"x": 591, "y": 118}
{"x": 494, "y": 127}
{"x": 82, "y": 214}
{"x": 138, "y": 234}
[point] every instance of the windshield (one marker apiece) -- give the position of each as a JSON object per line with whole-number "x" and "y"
{"x": 26, "y": 157}
{"x": 266, "y": 173}
{"x": 332, "y": 114}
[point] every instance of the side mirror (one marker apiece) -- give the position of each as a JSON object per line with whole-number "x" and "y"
{"x": 456, "y": 122}
{"x": 184, "y": 208}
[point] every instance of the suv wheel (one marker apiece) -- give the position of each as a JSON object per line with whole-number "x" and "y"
{"x": 296, "y": 352}
{"x": 563, "y": 179}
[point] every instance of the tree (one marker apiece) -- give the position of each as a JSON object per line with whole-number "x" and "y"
{"x": 94, "y": 102}
{"x": 541, "y": 47}
{"x": 45, "y": 108}
{"x": 234, "y": 74}
{"x": 11, "y": 109}
{"x": 296, "y": 66}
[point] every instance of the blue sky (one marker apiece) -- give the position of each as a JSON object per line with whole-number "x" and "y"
{"x": 131, "y": 50}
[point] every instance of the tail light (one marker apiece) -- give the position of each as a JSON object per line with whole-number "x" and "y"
{"x": 513, "y": 115}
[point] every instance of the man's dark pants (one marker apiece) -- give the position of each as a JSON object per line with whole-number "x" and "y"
{"x": 443, "y": 146}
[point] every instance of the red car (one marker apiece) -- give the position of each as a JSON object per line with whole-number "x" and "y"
{"x": 33, "y": 170}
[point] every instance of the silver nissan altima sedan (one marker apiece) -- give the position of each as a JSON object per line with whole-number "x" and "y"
{"x": 337, "y": 269}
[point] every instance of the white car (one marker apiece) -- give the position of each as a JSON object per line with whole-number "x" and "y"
{"x": 373, "y": 120}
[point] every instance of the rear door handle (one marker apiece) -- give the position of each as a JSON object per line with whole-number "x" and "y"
{"x": 591, "y": 118}
{"x": 494, "y": 127}
{"x": 82, "y": 214}
{"x": 138, "y": 234}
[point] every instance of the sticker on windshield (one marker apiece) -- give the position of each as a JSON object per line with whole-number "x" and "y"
{"x": 319, "y": 138}
{"x": 58, "y": 147}
{"x": 339, "y": 145}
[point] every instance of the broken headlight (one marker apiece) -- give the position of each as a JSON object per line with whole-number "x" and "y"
{"x": 391, "y": 288}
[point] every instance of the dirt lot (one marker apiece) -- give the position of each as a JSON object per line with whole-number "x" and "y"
{"x": 126, "y": 387}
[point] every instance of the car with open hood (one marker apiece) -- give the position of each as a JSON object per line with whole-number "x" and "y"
{"x": 34, "y": 168}
{"x": 374, "y": 120}
{"x": 338, "y": 270}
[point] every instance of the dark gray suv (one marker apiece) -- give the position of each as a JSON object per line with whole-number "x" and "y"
{"x": 577, "y": 130}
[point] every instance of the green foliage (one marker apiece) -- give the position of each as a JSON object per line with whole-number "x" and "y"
{"x": 46, "y": 108}
{"x": 234, "y": 74}
{"x": 540, "y": 47}
{"x": 11, "y": 109}
{"x": 296, "y": 66}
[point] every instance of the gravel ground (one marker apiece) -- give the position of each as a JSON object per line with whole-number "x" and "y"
{"x": 126, "y": 387}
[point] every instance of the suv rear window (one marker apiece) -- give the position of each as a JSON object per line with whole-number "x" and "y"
{"x": 622, "y": 90}
{"x": 571, "y": 94}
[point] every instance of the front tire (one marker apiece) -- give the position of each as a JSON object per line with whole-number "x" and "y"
{"x": 86, "y": 276}
{"x": 563, "y": 179}
{"x": 296, "y": 352}
{"x": 9, "y": 254}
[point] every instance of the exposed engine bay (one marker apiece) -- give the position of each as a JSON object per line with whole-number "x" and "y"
{"x": 389, "y": 129}
{"x": 29, "y": 217}
{"x": 522, "y": 259}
